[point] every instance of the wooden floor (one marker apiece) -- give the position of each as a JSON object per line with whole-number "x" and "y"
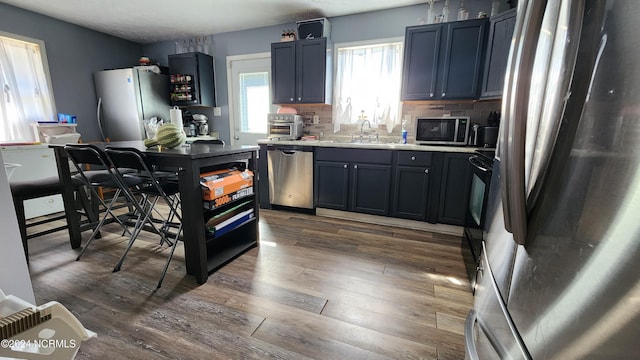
{"x": 316, "y": 288}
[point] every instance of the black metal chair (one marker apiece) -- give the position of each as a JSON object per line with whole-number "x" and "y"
{"x": 152, "y": 190}
{"x": 212, "y": 142}
{"x": 82, "y": 155}
{"x": 27, "y": 190}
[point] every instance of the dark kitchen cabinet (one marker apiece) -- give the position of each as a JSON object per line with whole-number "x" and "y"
{"x": 301, "y": 72}
{"x": 192, "y": 79}
{"x": 371, "y": 188}
{"x": 454, "y": 189}
{"x": 331, "y": 184}
{"x": 499, "y": 44}
{"x": 444, "y": 61}
{"x": 356, "y": 180}
{"x": 411, "y": 185}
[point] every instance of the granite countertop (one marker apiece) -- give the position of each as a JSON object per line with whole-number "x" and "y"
{"x": 372, "y": 145}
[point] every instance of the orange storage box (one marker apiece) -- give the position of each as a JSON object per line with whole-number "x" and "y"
{"x": 224, "y": 182}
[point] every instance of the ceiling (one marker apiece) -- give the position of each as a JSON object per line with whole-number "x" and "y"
{"x": 146, "y": 21}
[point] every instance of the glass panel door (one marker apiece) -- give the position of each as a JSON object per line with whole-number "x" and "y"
{"x": 249, "y": 97}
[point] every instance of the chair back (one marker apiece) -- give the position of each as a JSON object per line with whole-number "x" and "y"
{"x": 129, "y": 158}
{"x": 212, "y": 142}
{"x": 86, "y": 154}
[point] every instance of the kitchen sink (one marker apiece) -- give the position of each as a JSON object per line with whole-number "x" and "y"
{"x": 362, "y": 143}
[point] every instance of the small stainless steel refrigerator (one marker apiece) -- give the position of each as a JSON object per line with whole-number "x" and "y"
{"x": 127, "y": 97}
{"x": 559, "y": 276}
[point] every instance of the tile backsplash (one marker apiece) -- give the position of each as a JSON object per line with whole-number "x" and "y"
{"x": 323, "y": 126}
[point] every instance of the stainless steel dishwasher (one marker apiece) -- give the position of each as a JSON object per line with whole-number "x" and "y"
{"x": 290, "y": 175}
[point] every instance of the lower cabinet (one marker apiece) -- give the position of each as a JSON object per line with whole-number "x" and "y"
{"x": 411, "y": 185}
{"x": 353, "y": 180}
{"x": 454, "y": 189}
{"x": 415, "y": 185}
{"x": 410, "y": 192}
{"x": 331, "y": 185}
{"x": 371, "y": 188}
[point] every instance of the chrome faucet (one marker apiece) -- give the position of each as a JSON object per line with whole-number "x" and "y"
{"x": 362, "y": 127}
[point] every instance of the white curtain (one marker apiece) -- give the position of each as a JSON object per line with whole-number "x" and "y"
{"x": 368, "y": 82}
{"x": 25, "y": 92}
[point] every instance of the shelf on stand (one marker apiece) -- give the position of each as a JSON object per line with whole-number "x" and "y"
{"x": 229, "y": 246}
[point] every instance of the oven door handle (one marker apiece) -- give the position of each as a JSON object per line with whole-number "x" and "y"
{"x": 474, "y": 160}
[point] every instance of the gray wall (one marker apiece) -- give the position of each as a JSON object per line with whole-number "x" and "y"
{"x": 358, "y": 27}
{"x": 74, "y": 54}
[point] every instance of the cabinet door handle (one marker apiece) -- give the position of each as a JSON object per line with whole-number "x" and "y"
{"x": 426, "y": 171}
{"x": 443, "y": 94}
{"x": 431, "y": 95}
{"x": 413, "y": 158}
{"x": 291, "y": 99}
{"x": 345, "y": 166}
{"x": 355, "y": 167}
{"x": 299, "y": 98}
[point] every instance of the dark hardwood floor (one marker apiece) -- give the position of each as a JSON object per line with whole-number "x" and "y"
{"x": 315, "y": 288}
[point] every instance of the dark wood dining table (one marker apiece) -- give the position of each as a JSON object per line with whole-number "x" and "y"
{"x": 189, "y": 160}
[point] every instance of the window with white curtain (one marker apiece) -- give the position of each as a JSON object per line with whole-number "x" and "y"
{"x": 368, "y": 77}
{"x": 26, "y": 94}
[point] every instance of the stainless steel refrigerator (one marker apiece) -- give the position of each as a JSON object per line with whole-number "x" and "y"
{"x": 127, "y": 97}
{"x": 560, "y": 270}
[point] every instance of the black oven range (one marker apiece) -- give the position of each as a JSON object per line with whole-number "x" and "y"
{"x": 480, "y": 165}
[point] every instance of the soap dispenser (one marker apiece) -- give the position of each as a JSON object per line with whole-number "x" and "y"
{"x": 404, "y": 131}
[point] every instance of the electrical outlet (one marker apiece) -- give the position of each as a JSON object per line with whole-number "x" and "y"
{"x": 217, "y": 111}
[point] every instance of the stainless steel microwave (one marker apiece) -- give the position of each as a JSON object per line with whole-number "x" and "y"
{"x": 442, "y": 130}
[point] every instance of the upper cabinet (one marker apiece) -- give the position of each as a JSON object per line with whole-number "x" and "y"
{"x": 192, "y": 79}
{"x": 301, "y": 72}
{"x": 444, "y": 61}
{"x": 500, "y": 34}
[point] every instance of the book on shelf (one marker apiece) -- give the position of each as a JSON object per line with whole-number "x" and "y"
{"x": 228, "y": 198}
{"x": 217, "y": 219}
{"x": 230, "y": 223}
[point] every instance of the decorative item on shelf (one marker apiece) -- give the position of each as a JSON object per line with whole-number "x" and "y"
{"x": 288, "y": 35}
{"x": 430, "y": 16}
{"x": 463, "y": 14}
{"x": 495, "y": 7}
{"x": 144, "y": 60}
{"x": 482, "y": 15}
{"x": 445, "y": 11}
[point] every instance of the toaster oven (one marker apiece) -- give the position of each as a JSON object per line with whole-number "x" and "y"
{"x": 284, "y": 126}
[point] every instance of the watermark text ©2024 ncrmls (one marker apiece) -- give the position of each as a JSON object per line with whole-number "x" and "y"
{"x": 40, "y": 343}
